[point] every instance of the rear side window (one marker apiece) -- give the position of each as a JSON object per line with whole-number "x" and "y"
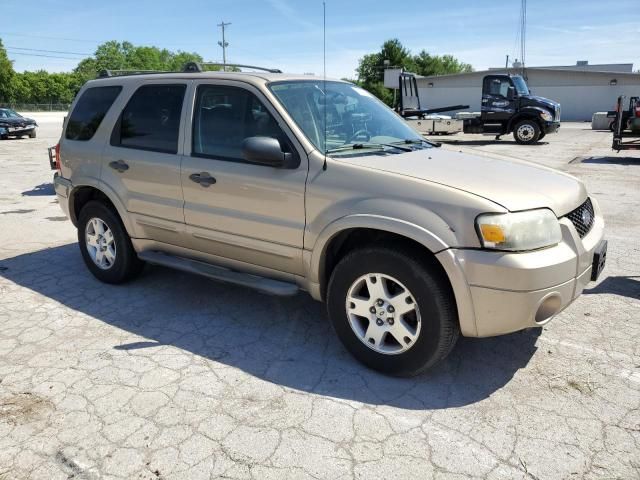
{"x": 151, "y": 119}
{"x": 89, "y": 112}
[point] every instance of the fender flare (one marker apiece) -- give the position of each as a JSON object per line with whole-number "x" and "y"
{"x": 421, "y": 235}
{"x": 109, "y": 193}
{"x": 528, "y": 113}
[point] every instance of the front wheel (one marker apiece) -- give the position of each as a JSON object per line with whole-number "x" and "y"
{"x": 526, "y": 132}
{"x": 105, "y": 246}
{"x": 393, "y": 313}
{"x": 32, "y": 134}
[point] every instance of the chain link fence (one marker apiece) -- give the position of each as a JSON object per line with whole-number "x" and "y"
{"x": 38, "y": 107}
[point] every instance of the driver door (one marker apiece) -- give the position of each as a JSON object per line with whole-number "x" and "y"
{"x": 246, "y": 212}
{"x": 497, "y": 107}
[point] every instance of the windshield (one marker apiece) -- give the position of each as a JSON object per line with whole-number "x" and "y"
{"x": 8, "y": 113}
{"x": 520, "y": 84}
{"x": 353, "y": 115}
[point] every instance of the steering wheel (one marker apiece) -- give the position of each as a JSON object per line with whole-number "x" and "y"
{"x": 360, "y": 134}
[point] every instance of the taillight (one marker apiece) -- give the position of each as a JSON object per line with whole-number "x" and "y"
{"x": 638, "y": 109}
{"x": 58, "y": 156}
{"x": 54, "y": 157}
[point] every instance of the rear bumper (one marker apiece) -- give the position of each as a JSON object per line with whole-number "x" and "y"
{"x": 63, "y": 187}
{"x": 502, "y": 292}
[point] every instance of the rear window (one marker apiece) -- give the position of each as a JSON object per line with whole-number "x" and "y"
{"x": 151, "y": 119}
{"x": 89, "y": 112}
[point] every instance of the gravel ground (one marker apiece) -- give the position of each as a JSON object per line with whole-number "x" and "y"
{"x": 174, "y": 376}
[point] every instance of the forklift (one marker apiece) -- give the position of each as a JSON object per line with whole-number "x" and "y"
{"x": 507, "y": 107}
{"x": 630, "y": 122}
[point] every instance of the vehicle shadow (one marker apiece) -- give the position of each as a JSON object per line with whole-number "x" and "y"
{"x": 287, "y": 341}
{"x": 624, "y": 286}
{"x": 610, "y": 160}
{"x": 40, "y": 190}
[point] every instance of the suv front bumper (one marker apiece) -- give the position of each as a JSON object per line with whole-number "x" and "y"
{"x": 503, "y": 292}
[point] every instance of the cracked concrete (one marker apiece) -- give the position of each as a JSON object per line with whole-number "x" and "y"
{"x": 174, "y": 376}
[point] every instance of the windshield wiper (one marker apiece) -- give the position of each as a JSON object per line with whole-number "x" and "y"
{"x": 360, "y": 146}
{"x": 415, "y": 141}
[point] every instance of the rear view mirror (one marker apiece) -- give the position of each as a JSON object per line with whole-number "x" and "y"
{"x": 267, "y": 151}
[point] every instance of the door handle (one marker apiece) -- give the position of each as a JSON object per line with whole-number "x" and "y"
{"x": 120, "y": 166}
{"x": 203, "y": 178}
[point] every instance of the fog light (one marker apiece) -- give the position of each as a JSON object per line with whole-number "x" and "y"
{"x": 548, "y": 308}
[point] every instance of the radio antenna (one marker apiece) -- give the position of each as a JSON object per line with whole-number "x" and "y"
{"x": 324, "y": 78}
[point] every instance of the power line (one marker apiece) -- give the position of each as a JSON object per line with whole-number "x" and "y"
{"x": 50, "y": 51}
{"x": 42, "y": 55}
{"x": 50, "y": 38}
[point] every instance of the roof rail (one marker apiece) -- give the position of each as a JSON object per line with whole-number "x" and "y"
{"x": 195, "y": 67}
{"x": 120, "y": 73}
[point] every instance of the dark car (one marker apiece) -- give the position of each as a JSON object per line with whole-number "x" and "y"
{"x": 12, "y": 124}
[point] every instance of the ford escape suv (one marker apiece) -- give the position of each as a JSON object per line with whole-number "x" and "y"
{"x": 284, "y": 182}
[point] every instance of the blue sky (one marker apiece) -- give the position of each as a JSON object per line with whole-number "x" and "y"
{"x": 288, "y": 33}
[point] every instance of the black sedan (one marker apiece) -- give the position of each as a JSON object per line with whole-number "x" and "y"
{"x": 12, "y": 124}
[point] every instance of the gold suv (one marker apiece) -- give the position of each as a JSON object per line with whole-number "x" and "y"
{"x": 285, "y": 182}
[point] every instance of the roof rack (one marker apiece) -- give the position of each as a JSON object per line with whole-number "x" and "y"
{"x": 190, "y": 67}
{"x": 196, "y": 67}
{"x": 120, "y": 73}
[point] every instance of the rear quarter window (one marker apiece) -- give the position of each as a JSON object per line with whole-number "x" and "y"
{"x": 89, "y": 112}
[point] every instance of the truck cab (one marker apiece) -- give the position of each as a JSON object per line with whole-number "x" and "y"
{"x": 508, "y": 106}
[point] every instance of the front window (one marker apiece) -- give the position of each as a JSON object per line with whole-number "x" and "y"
{"x": 521, "y": 85}
{"x": 336, "y": 114}
{"x": 8, "y": 113}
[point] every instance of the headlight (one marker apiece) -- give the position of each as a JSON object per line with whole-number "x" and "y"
{"x": 519, "y": 231}
{"x": 546, "y": 116}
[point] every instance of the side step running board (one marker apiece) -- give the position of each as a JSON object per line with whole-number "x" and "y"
{"x": 262, "y": 284}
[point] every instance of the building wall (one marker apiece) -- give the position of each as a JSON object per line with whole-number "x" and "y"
{"x": 580, "y": 93}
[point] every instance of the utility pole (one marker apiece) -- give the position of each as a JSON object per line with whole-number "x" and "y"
{"x": 224, "y": 44}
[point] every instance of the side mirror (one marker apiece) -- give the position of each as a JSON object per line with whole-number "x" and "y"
{"x": 511, "y": 93}
{"x": 266, "y": 151}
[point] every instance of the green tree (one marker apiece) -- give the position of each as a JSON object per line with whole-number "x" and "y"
{"x": 427, "y": 64}
{"x": 395, "y": 55}
{"x": 6, "y": 76}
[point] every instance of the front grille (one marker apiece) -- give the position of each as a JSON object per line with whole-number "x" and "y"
{"x": 582, "y": 218}
{"x": 557, "y": 119}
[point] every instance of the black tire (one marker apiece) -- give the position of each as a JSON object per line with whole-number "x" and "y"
{"x": 432, "y": 293}
{"x": 542, "y": 135}
{"x": 32, "y": 134}
{"x": 127, "y": 265}
{"x": 532, "y": 130}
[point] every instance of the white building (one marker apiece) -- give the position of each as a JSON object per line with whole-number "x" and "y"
{"x": 581, "y": 89}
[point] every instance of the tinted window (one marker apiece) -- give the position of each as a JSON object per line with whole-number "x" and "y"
{"x": 151, "y": 119}
{"x": 89, "y": 112}
{"x": 224, "y": 117}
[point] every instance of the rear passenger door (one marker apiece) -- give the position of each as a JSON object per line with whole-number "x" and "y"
{"x": 248, "y": 213}
{"x": 142, "y": 159}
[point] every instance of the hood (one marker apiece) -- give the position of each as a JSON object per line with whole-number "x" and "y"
{"x": 534, "y": 100}
{"x": 513, "y": 184}
{"x": 17, "y": 121}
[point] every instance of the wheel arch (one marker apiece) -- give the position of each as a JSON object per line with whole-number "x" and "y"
{"x": 525, "y": 115}
{"x": 81, "y": 194}
{"x": 355, "y": 230}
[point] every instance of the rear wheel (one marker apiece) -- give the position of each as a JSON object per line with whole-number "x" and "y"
{"x": 105, "y": 246}
{"x": 393, "y": 313}
{"x": 32, "y": 134}
{"x": 526, "y": 132}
